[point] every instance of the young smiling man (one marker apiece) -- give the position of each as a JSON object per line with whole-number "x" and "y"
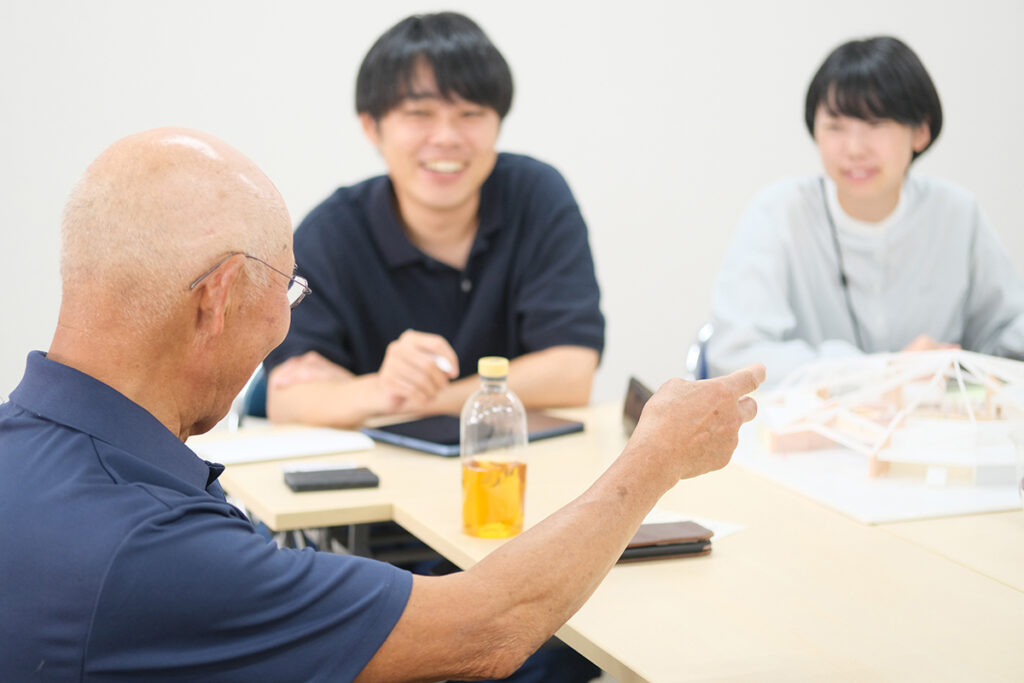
{"x": 870, "y": 257}
{"x": 459, "y": 252}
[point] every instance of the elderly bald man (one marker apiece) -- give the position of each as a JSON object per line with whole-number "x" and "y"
{"x": 122, "y": 560}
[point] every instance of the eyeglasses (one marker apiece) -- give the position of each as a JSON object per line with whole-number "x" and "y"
{"x": 298, "y": 287}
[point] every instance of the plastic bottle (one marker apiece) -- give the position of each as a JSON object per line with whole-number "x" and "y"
{"x": 493, "y": 438}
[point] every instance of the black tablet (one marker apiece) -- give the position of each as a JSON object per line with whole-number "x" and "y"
{"x": 439, "y": 434}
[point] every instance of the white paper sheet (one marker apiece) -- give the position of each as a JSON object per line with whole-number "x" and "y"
{"x": 261, "y": 445}
{"x": 839, "y": 479}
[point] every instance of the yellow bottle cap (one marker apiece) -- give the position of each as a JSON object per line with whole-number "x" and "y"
{"x": 492, "y": 367}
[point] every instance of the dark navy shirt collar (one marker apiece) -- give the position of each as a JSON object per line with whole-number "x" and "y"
{"x": 390, "y": 236}
{"x": 61, "y": 394}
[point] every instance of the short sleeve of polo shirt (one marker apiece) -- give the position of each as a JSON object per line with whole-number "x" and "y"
{"x": 557, "y": 297}
{"x": 195, "y": 594}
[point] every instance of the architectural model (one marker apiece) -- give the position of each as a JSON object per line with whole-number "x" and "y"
{"x": 944, "y": 416}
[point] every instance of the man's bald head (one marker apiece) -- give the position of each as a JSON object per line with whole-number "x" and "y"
{"x": 152, "y": 212}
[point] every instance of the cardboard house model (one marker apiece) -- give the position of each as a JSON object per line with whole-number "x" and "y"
{"x": 944, "y": 416}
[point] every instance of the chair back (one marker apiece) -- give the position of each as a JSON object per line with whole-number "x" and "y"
{"x": 255, "y": 402}
{"x": 697, "y": 355}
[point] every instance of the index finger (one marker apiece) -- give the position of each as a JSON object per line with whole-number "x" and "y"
{"x": 744, "y": 381}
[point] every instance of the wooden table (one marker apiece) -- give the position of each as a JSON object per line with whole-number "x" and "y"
{"x": 801, "y": 593}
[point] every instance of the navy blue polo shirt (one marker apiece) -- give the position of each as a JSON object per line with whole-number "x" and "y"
{"x": 121, "y": 560}
{"x": 528, "y": 284}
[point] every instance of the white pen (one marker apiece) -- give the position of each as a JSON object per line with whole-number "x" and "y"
{"x": 442, "y": 364}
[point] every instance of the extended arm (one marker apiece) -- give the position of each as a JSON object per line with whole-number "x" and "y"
{"x": 335, "y": 397}
{"x": 313, "y": 390}
{"x": 554, "y": 377}
{"x": 485, "y": 621}
{"x": 310, "y": 389}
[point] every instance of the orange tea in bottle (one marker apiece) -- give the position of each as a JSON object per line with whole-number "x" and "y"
{"x": 492, "y": 498}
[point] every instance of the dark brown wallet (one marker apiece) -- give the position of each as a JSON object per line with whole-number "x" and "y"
{"x": 668, "y": 539}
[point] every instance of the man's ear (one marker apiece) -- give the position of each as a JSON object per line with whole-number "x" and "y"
{"x": 213, "y": 295}
{"x": 371, "y": 129}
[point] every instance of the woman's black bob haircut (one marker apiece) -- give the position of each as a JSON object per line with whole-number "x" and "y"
{"x": 462, "y": 57}
{"x": 876, "y": 78}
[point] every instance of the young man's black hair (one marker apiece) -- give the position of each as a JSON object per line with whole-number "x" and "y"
{"x": 876, "y": 78}
{"x": 463, "y": 59}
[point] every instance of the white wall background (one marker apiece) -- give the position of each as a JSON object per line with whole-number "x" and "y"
{"x": 665, "y": 117}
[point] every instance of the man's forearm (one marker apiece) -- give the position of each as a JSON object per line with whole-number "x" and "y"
{"x": 329, "y": 402}
{"x": 519, "y": 595}
{"x": 321, "y": 393}
{"x": 554, "y": 377}
{"x": 484, "y": 622}
{"x": 560, "y": 376}
{"x": 576, "y": 547}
